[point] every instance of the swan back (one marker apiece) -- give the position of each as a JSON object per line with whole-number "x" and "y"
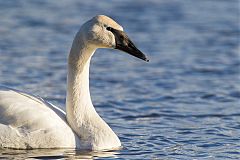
{"x": 27, "y": 121}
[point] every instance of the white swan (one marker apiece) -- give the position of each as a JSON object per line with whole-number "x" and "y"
{"x": 28, "y": 122}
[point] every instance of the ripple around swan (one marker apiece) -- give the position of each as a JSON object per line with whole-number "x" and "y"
{"x": 183, "y": 104}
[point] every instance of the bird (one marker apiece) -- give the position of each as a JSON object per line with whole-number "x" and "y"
{"x": 29, "y": 122}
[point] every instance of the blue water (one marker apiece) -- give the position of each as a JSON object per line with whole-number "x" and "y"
{"x": 183, "y": 104}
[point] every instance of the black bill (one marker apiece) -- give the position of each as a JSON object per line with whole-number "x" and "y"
{"x": 123, "y": 43}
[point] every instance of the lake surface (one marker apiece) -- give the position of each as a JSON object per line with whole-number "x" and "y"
{"x": 183, "y": 104}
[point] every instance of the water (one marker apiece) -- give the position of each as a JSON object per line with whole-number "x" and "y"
{"x": 183, "y": 104}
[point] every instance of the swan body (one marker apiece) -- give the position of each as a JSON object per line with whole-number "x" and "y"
{"x": 28, "y": 122}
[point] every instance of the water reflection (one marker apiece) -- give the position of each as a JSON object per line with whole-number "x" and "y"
{"x": 55, "y": 154}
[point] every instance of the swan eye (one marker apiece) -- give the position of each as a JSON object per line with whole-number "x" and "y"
{"x": 109, "y": 28}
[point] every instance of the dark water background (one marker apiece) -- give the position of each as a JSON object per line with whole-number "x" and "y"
{"x": 183, "y": 104}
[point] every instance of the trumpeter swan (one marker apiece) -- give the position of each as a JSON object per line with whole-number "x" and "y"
{"x": 28, "y": 122}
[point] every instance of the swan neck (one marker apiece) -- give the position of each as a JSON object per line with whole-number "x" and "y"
{"x": 78, "y": 99}
{"x": 81, "y": 115}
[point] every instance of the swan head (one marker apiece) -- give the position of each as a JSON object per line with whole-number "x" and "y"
{"x": 103, "y": 32}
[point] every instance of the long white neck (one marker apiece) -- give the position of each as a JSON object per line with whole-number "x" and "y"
{"x": 82, "y": 117}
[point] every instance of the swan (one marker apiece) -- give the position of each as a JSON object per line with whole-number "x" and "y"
{"x": 29, "y": 122}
